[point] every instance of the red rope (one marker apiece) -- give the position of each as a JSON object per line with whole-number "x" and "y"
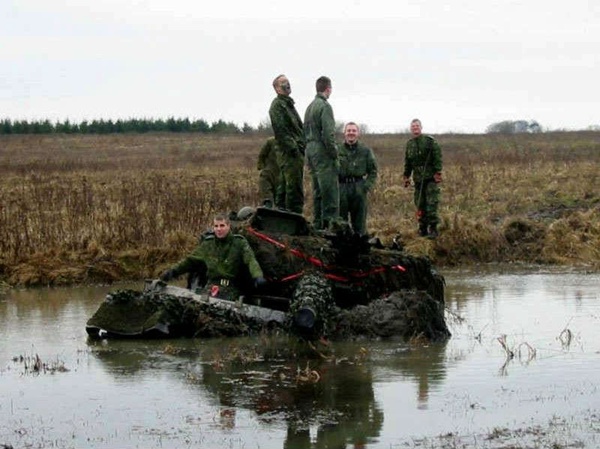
{"x": 291, "y": 277}
{"x": 313, "y": 260}
{"x": 319, "y": 263}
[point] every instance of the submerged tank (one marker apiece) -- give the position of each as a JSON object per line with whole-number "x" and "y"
{"x": 335, "y": 285}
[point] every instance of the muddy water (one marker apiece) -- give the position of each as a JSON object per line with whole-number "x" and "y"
{"x": 524, "y": 356}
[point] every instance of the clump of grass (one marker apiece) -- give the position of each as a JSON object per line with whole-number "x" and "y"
{"x": 510, "y": 354}
{"x": 574, "y": 239}
{"x": 33, "y": 364}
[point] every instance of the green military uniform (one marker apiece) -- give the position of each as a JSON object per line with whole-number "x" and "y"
{"x": 268, "y": 179}
{"x": 287, "y": 127}
{"x": 358, "y": 173}
{"x": 226, "y": 261}
{"x": 423, "y": 159}
{"x": 323, "y": 161}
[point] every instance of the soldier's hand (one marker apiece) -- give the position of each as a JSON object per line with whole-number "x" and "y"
{"x": 437, "y": 177}
{"x": 167, "y": 276}
{"x": 406, "y": 182}
{"x": 259, "y": 282}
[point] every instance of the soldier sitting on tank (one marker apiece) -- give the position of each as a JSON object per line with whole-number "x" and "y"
{"x": 226, "y": 259}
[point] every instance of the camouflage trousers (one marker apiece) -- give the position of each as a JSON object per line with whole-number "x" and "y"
{"x": 353, "y": 205}
{"x": 427, "y": 200}
{"x": 291, "y": 182}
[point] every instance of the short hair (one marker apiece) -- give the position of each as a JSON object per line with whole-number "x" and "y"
{"x": 416, "y": 120}
{"x": 222, "y": 217}
{"x": 351, "y": 123}
{"x": 322, "y": 84}
{"x": 276, "y": 79}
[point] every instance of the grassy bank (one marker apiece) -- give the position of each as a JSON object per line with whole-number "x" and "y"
{"x": 103, "y": 208}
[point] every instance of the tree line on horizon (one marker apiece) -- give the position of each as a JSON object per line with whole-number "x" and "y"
{"x": 133, "y": 125}
{"x": 185, "y": 125}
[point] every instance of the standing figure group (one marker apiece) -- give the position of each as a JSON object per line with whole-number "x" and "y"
{"x": 341, "y": 175}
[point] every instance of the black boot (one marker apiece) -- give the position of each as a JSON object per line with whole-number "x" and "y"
{"x": 423, "y": 230}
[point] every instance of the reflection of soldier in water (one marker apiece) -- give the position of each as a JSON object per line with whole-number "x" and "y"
{"x": 426, "y": 365}
{"x": 349, "y": 415}
{"x": 340, "y": 403}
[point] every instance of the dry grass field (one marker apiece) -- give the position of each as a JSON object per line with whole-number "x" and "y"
{"x": 91, "y": 208}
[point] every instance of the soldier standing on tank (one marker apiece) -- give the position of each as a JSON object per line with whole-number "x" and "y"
{"x": 423, "y": 161}
{"x": 322, "y": 156}
{"x": 225, "y": 259}
{"x": 269, "y": 188}
{"x": 287, "y": 127}
{"x": 358, "y": 173}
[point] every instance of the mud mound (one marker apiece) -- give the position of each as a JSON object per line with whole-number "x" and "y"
{"x": 406, "y": 314}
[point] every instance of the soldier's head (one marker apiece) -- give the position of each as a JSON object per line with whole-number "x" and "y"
{"x": 282, "y": 86}
{"x": 415, "y": 127}
{"x": 351, "y": 133}
{"x": 323, "y": 86}
{"x": 221, "y": 226}
{"x": 245, "y": 212}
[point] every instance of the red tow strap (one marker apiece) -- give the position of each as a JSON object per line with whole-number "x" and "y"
{"x": 319, "y": 263}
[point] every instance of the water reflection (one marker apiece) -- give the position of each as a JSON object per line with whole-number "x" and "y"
{"x": 424, "y": 365}
{"x": 326, "y": 403}
{"x": 321, "y": 403}
{"x": 260, "y": 392}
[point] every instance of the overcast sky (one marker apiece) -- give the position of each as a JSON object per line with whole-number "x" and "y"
{"x": 458, "y": 65}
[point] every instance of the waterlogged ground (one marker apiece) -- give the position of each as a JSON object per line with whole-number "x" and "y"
{"x": 521, "y": 371}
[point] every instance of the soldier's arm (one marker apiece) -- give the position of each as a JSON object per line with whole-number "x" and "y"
{"x": 407, "y": 162}
{"x": 371, "y": 170}
{"x": 189, "y": 262}
{"x": 436, "y": 156}
{"x": 281, "y": 124}
{"x": 250, "y": 259}
{"x": 328, "y": 130}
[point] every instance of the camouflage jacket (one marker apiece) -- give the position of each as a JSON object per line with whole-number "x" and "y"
{"x": 267, "y": 158}
{"x": 358, "y": 161}
{"x": 319, "y": 126}
{"x": 423, "y": 158}
{"x": 224, "y": 258}
{"x": 287, "y": 125}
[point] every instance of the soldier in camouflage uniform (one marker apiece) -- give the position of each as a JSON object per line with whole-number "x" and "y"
{"x": 287, "y": 127}
{"x": 423, "y": 160}
{"x": 269, "y": 188}
{"x": 358, "y": 173}
{"x": 322, "y": 156}
{"x": 224, "y": 257}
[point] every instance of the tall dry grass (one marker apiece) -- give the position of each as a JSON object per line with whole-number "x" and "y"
{"x": 101, "y": 208}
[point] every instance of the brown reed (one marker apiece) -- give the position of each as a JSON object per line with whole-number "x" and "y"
{"x": 103, "y": 208}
